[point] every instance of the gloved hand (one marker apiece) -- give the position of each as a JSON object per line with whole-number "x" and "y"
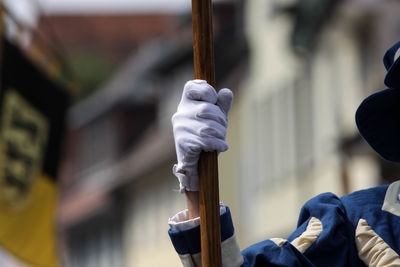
{"x": 199, "y": 125}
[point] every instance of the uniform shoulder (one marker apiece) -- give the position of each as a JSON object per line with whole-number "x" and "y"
{"x": 364, "y": 203}
{"x": 323, "y": 206}
{"x": 327, "y": 198}
{"x": 374, "y": 195}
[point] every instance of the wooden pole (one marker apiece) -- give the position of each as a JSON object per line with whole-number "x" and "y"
{"x": 208, "y": 165}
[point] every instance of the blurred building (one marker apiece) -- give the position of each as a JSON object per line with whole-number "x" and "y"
{"x": 95, "y": 44}
{"x": 299, "y": 69}
{"x": 292, "y": 131}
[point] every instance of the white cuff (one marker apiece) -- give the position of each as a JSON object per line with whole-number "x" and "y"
{"x": 186, "y": 182}
{"x": 182, "y": 222}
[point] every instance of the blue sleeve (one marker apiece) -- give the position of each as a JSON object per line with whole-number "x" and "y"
{"x": 188, "y": 241}
{"x": 330, "y": 247}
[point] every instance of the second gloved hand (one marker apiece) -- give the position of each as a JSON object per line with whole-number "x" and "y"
{"x": 199, "y": 124}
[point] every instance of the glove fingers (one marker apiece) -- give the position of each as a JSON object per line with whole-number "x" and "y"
{"x": 213, "y": 144}
{"x": 190, "y": 147}
{"x": 213, "y": 129}
{"x": 200, "y": 90}
{"x": 187, "y": 129}
{"x": 225, "y": 98}
{"x": 212, "y": 112}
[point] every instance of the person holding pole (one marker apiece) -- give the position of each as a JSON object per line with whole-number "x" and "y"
{"x": 359, "y": 229}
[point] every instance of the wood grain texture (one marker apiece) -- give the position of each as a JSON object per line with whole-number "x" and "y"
{"x": 203, "y": 49}
{"x": 203, "y": 45}
{"x": 209, "y": 210}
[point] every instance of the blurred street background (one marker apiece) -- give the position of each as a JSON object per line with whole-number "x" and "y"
{"x": 298, "y": 69}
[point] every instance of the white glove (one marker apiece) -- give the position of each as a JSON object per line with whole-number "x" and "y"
{"x": 199, "y": 125}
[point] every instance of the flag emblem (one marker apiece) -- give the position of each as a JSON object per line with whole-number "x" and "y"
{"x": 24, "y": 134}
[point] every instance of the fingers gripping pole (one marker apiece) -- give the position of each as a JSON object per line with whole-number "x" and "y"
{"x": 208, "y": 164}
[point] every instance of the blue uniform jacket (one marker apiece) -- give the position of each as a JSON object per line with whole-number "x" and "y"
{"x": 359, "y": 229}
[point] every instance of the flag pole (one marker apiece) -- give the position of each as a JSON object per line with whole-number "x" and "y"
{"x": 208, "y": 165}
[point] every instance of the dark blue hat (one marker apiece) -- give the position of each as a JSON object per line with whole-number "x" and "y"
{"x": 378, "y": 116}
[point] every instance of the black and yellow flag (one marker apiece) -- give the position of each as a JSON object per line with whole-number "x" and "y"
{"x": 32, "y": 109}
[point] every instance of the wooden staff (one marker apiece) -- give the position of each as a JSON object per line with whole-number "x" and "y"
{"x": 208, "y": 165}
